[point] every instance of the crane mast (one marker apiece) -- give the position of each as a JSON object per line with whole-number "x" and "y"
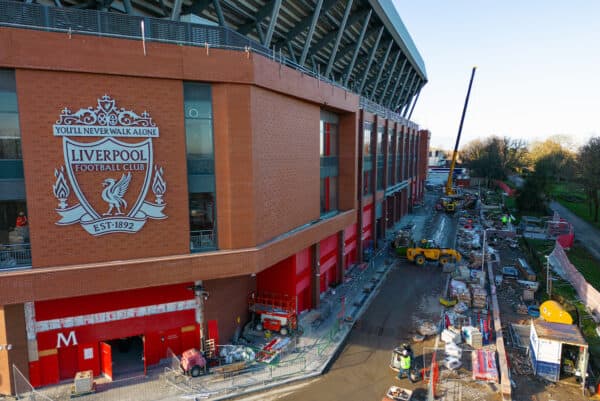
{"x": 449, "y": 189}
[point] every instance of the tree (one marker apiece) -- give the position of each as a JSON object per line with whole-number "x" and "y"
{"x": 555, "y": 159}
{"x": 494, "y": 158}
{"x": 589, "y": 165}
{"x": 531, "y": 196}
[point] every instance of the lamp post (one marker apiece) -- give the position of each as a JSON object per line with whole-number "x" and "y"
{"x": 548, "y": 277}
{"x": 483, "y": 246}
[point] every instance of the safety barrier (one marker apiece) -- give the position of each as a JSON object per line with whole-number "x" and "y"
{"x": 24, "y": 390}
{"x": 560, "y": 262}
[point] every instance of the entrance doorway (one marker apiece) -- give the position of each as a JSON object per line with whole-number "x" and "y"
{"x": 127, "y": 356}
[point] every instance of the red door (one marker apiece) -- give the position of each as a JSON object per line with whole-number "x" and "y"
{"x": 106, "y": 360}
{"x": 213, "y": 331}
{"x": 67, "y": 362}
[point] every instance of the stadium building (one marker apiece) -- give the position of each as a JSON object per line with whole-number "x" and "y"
{"x": 161, "y": 160}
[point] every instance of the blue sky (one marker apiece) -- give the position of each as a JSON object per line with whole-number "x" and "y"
{"x": 538, "y": 67}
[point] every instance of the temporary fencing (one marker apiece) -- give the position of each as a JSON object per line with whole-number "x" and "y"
{"x": 560, "y": 262}
{"x": 562, "y": 230}
{"x": 24, "y": 390}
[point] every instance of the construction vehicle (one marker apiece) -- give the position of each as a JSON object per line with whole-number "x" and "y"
{"x": 193, "y": 363}
{"x": 451, "y": 202}
{"x": 274, "y": 312}
{"x": 428, "y": 250}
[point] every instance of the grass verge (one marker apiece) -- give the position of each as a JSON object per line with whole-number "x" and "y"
{"x": 573, "y": 197}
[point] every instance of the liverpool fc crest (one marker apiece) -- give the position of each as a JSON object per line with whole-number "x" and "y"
{"x": 110, "y": 177}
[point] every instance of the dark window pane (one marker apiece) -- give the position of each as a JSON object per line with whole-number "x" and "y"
{"x": 333, "y": 204}
{"x": 10, "y": 136}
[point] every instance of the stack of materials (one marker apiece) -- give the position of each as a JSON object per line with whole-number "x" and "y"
{"x": 453, "y": 356}
{"x": 528, "y": 294}
{"x": 459, "y": 290}
{"x": 465, "y": 297}
{"x": 484, "y": 365}
{"x": 472, "y": 336}
{"x": 451, "y": 335}
{"x": 479, "y": 297}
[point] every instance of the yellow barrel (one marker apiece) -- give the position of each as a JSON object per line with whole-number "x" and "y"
{"x": 552, "y": 311}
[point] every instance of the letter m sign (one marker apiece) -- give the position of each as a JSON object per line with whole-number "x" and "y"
{"x": 66, "y": 341}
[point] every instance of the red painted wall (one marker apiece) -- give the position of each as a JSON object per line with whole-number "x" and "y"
{"x": 49, "y": 369}
{"x": 279, "y": 278}
{"x": 328, "y": 261}
{"x": 57, "y": 308}
{"x": 303, "y": 270}
{"x": 291, "y": 277}
{"x": 367, "y": 229}
{"x": 349, "y": 245}
{"x": 119, "y": 329}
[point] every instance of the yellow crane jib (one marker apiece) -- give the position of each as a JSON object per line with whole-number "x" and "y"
{"x": 449, "y": 188}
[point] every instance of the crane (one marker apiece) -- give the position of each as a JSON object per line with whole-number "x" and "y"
{"x": 449, "y": 190}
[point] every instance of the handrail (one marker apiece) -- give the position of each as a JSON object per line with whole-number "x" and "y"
{"x": 15, "y": 255}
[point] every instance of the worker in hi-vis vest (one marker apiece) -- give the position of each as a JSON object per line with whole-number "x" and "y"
{"x": 405, "y": 361}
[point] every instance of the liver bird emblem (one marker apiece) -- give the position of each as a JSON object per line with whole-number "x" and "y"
{"x": 113, "y": 193}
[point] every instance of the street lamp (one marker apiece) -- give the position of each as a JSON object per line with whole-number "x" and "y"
{"x": 548, "y": 277}
{"x": 483, "y": 246}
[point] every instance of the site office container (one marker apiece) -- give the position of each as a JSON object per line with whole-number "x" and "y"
{"x": 552, "y": 345}
{"x": 545, "y": 356}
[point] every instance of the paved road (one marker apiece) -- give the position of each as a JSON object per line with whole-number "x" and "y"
{"x": 362, "y": 372}
{"x": 588, "y": 235}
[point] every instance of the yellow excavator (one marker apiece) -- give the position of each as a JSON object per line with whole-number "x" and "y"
{"x": 450, "y": 200}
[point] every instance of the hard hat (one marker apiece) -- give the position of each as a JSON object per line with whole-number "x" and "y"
{"x": 405, "y": 352}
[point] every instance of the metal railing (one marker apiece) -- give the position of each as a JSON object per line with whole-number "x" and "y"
{"x": 109, "y": 24}
{"x": 202, "y": 240}
{"x": 376, "y": 108}
{"x": 18, "y": 255}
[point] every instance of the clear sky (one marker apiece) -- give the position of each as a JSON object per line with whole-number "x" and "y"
{"x": 538, "y": 67}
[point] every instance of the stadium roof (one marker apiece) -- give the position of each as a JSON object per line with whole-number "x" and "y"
{"x": 361, "y": 45}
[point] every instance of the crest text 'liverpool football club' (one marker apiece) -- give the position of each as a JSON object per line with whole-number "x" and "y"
{"x": 110, "y": 177}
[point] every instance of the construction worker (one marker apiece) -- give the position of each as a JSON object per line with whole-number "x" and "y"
{"x": 22, "y": 226}
{"x": 405, "y": 363}
{"x": 504, "y": 219}
{"x": 21, "y": 220}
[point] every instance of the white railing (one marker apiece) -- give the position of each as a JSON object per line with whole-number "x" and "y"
{"x": 202, "y": 239}
{"x": 18, "y": 255}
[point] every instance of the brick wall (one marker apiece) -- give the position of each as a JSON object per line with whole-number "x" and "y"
{"x": 42, "y": 95}
{"x": 286, "y": 163}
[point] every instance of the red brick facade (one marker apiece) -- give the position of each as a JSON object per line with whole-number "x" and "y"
{"x": 267, "y": 168}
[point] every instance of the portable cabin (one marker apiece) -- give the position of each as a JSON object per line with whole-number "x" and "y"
{"x": 557, "y": 350}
